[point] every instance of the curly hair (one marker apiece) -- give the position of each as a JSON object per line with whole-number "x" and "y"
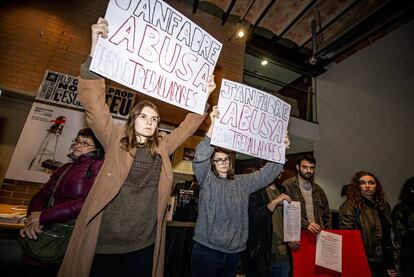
{"x": 130, "y": 142}
{"x": 356, "y": 195}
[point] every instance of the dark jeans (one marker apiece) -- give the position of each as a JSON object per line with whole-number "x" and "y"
{"x": 377, "y": 269}
{"x": 213, "y": 263}
{"x": 137, "y": 264}
{"x": 251, "y": 269}
{"x": 38, "y": 271}
{"x": 406, "y": 266}
{"x": 280, "y": 269}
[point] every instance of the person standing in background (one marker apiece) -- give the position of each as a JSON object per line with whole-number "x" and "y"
{"x": 368, "y": 211}
{"x": 315, "y": 212}
{"x": 403, "y": 220}
{"x": 266, "y": 252}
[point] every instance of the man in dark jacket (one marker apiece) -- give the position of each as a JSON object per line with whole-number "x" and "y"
{"x": 316, "y": 214}
{"x": 266, "y": 252}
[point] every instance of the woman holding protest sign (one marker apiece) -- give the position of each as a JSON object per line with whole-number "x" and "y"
{"x": 121, "y": 229}
{"x": 222, "y": 225}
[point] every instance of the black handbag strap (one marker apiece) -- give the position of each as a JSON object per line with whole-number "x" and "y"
{"x": 52, "y": 198}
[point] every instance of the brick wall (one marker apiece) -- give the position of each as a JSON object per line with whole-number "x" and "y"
{"x": 55, "y": 35}
{"x": 18, "y": 192}
{"x": 40, "y": 34}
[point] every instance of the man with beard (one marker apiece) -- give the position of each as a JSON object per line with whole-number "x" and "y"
{"x": 316, "y": 215}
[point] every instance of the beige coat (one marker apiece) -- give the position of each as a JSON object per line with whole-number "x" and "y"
{"x": 81, "y": 250}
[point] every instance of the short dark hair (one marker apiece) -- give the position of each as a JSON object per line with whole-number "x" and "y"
{"x": 87, "y": 132}
{"x": 306, "y": 157}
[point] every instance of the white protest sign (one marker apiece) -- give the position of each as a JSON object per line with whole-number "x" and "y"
{"x": 154, "y": 49}
{"x": 251, "y": 121}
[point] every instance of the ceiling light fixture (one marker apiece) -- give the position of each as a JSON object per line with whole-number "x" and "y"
{"x": 264, "y": 62}
{"x": 242, "y": 27}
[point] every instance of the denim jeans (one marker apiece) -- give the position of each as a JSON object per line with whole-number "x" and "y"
{"x": 280, "y": 269}
{"x": 213, "y": 263}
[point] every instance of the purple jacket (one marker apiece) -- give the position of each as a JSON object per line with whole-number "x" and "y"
{"x": 70, "y": 193}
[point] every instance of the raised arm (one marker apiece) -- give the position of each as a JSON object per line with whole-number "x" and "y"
{"x": 259, "y": 179}
{"x": 92, "y": 93}
{"x": 201, "y": 162}
{"x": 180, "y": 134}
{"x": 188, "y": 127}
{"x": 264, "y": 176}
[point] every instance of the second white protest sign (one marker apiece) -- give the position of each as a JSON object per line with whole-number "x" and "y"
{"x": 251, "y": 121}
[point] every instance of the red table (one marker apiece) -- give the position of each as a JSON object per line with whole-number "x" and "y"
{"x": 354, "y": 260}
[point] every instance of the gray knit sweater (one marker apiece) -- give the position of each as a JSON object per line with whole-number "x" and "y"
{"x": 223, "y": 221}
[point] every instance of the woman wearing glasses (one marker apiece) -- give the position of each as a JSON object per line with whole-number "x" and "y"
{"x": 222, "y": 225}
{"x": 69, "y": 185}
{"x": 366, "y": 210}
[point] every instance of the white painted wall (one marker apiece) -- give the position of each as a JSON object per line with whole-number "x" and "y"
{"x": 366, "y": 116}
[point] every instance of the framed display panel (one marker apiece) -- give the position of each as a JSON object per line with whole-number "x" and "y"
{"x": 184, "y": 155}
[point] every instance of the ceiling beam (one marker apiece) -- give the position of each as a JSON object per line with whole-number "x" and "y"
{"x": 195, "y": 5}
{"x": 390, "y": 13}
{"x": 264, "y": 13}
{"x": 333, "y": 20}
{"x": 247, "y": 10}
{"x": 228, "y": 12}
{"x": 308, "y": 7}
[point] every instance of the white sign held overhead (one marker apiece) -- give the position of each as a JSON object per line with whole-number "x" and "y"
{"x": 251, "y": 121}
{"x": 154, "y": 49}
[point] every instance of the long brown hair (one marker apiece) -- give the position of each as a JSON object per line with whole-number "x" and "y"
{"x": 230, "y": 173}
{"x": 356, "y": 195}
{"x": 130, "y": 142}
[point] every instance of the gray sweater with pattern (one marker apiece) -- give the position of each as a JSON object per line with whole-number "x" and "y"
{"x": 223, "y": 221}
